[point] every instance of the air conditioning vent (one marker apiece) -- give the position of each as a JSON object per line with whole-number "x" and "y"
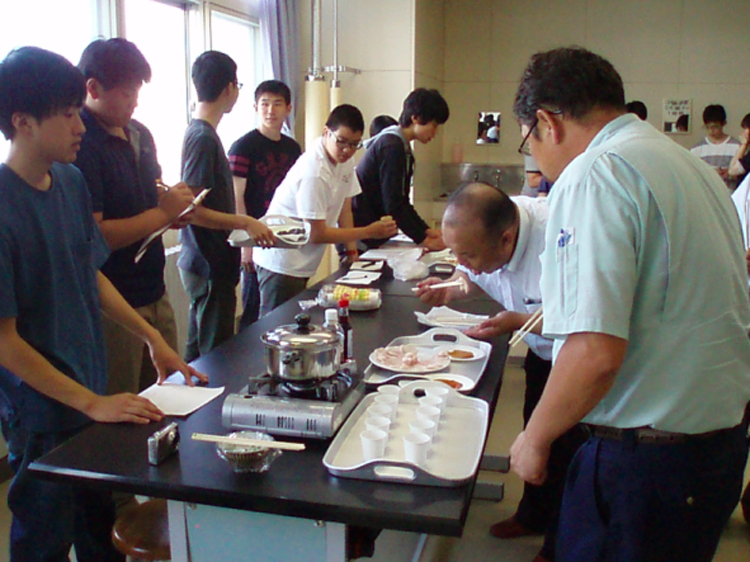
{"x": 284, "y": 422}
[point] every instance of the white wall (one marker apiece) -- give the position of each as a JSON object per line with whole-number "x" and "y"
{"x": 697, "y": 49}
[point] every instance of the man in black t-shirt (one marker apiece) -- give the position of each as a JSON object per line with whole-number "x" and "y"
{"x": 259, "y": 161}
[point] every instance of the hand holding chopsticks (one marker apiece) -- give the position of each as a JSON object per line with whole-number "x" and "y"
{"x": 283, "y": 445}
{"x": 530, "y": 324}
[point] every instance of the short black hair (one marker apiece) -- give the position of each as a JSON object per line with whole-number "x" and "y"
{"x": 425, "y": 106}
{"x": 571, "y": 80}
{"x": 745, "y": 123}
{"x": 114, "y": 62}
{"x": 637, "y": 107}
{"x": 484, "y": 202}
{"x": 381, "y": 122}
{"x": 276, "y": 87}
{"x": 39, "y": 83}
{"x": 682, "y": 122}
{"x": 212, "y": 72}
{"x": 346, "y": 115}
{"x": 714, "y": 113}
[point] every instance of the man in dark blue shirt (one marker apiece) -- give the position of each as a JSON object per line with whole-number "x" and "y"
{"x": 118, "y": 160}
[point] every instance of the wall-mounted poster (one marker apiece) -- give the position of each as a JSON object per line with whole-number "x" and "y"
{"x": 676, "y": 116}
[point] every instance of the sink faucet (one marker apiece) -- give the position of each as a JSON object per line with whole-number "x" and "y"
{"x": 475, "y": 176}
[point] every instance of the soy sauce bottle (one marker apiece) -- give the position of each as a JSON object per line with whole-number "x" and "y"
{"x": 346, "y": 328}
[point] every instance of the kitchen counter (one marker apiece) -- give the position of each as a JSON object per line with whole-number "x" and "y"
{"x": 298, "y": 485}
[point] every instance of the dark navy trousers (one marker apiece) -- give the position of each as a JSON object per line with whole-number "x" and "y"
{"x": 539, "y": 507}
{"x": 49, "y": 517}
{"x": 626, "y": 501}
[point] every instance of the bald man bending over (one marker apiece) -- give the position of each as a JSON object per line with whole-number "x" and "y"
{"x": 497, "y": 240}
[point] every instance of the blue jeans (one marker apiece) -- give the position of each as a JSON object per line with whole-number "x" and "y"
{"x": 626, "y": 501}
{"x": 50, "y": 517}
{"x": 213, "y": 305}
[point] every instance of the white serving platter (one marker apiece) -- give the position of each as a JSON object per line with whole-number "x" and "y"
{"x": 437, "y": 337}
{"x": 454, "y": 455}
{"x": 290, "y": 233}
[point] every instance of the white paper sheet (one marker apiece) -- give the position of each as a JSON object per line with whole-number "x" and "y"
{"x": 383, "y": 253}
{"x": 445, "y": 317}
{"x": 175, "y": 398}
{"x": 359, "y": 277}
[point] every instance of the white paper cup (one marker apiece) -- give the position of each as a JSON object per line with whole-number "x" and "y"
{"x": 428, "y": 413}
{"x": 438, "y": 392}
{"x": 427, "y": 427}
{"x": 373, "y": 443}
{"x": 390, "y": 400}
{"x": 438, "y": 403}
{"x": 389, "y": 389}
{"x": 416, "y": 446}
{"x": 378, "y": 422}
{"x": 387, "y": 399}
{"x": 382, "y": 410}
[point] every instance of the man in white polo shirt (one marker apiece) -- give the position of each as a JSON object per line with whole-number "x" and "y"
{"x": 497, "y": 240}
{"x": 645, "y": 296}
{"x": 318, "y": 189}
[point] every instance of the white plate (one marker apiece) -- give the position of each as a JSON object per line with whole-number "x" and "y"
{"x": 476, "y": 353}
{"x": 467, "y": 384}
{"x": 417, "y": 369}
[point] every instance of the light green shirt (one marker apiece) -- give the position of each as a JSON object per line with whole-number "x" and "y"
{"x": 643, "y": 243}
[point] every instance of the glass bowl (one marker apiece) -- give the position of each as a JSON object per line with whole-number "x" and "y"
{"x": 248, "y": 458}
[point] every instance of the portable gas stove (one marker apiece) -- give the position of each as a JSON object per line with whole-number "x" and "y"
{"x": 315, "y": 409}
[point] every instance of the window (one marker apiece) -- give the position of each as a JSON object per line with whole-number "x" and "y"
{"x": 238, "y": 37}
{"x": 66, "y": 28}
{"x": 160, "y": 32}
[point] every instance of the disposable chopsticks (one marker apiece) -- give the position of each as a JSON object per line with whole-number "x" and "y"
{"x": 446, "y": 285}
{"x": 284, "y": 445}
{"x": 530, "y": 324}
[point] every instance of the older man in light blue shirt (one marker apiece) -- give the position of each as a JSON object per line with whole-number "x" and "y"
{"x": 645, "y": 295}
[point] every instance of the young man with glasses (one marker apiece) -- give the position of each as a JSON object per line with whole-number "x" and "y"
{"x": 209, "y": 266}
{"x": 318, "y": 189}
{"x": 385, "y": 171}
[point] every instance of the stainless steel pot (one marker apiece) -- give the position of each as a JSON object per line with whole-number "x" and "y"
{"x": 301, "y": 351}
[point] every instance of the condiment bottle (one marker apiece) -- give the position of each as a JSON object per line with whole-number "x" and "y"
{"x": 332, "y": 325}
{"x": 346, "y": 328}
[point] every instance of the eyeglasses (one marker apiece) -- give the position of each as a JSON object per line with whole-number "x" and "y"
{"x": 238, "y": 84}
{"x": 343, "y": 143}
{"x": 524, "y": 148}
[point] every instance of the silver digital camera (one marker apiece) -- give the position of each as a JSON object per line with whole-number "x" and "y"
{"x": 163, "y": 443}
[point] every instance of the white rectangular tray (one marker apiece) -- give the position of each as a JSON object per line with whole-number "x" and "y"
{"x": 452, "y": 461}
{"x": 434, "y": 338}
{"x": 278, "y": 224}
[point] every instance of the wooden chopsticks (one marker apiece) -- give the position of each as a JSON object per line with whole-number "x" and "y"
{"x": 530, "y": 324}
{"x": 284, "y": 445}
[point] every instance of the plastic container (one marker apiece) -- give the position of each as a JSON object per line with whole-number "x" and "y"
{"x": 360, "y": 298}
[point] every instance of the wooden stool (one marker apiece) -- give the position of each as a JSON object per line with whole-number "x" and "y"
{"x": 143, "y": 531}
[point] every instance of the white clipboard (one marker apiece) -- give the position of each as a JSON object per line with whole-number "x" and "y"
{"x": 197, "y": 200}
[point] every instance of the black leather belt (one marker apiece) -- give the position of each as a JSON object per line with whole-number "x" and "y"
{"x": 648, "y": 434}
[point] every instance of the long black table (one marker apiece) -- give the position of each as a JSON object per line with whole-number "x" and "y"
{"x": 114, "y": 456}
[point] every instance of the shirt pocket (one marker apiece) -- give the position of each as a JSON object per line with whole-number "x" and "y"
{"x": 567, "y": 282}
